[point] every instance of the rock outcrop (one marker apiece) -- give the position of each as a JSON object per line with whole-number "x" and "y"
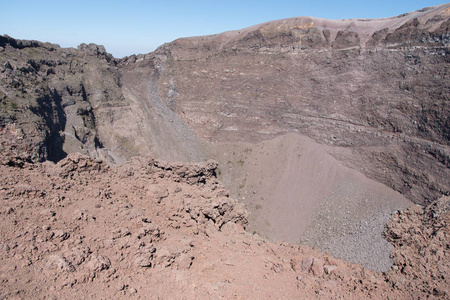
{"x": 73, "y": 100}
{"x": 419, "y": 236}
{"x": 50, "y": 94}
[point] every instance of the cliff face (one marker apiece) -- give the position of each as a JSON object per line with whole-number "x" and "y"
{"x": 55, "y": 96}
{"x": 377, "y": 91}
{"x": 74, "y": 100}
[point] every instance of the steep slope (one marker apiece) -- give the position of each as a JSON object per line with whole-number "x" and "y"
{"x": 296, "y": 192}
{"x": 376, "y": 89}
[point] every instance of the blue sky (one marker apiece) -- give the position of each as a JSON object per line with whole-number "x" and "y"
{"x": 137, "y": 26}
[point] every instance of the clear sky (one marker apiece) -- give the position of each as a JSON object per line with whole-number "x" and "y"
{"x": 138, "y": 26}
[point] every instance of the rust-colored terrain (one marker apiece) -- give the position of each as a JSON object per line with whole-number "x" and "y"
{"x": 149, "y": 230}
{"x": 298, "y": 158}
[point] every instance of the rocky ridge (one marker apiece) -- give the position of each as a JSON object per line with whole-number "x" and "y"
{"x": 175, "y": 233}
{"x": 422, "y": 28}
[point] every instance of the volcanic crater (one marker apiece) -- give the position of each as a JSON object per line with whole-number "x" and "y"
{"x": 316, "y": 136}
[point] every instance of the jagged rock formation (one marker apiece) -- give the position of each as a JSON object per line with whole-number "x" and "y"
{"x": 74, "y": 100}
{"x": 370, "y": 95}
{"x": 48, "y": 93}
{"x": 419, "y": 236}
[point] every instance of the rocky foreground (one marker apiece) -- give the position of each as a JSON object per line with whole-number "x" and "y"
{"x": 149, "y": 230}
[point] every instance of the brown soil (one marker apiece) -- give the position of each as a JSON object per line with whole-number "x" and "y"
{"x": 151, "y": 230}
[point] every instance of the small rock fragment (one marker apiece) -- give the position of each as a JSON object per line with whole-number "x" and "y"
{"x": 184, "y": 262}
{"x": 317, "y": 267}
{"x": 306, "y": 264}
{"x": 59, "y": 262}
{"x": 329, "y": 269}
{"x": 48, "y": 213}
{"x": 143, "y": 261}
{"x": 99, "y": 263}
